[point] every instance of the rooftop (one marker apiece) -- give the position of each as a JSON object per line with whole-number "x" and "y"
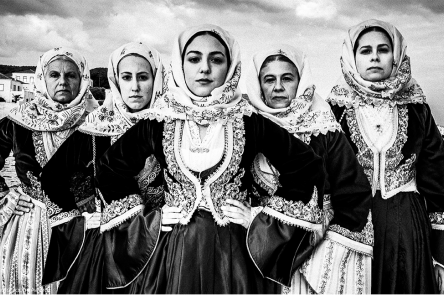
{"x": 25, "y": 72}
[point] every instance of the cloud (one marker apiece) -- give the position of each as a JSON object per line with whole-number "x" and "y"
{"x": 323, "y": 9}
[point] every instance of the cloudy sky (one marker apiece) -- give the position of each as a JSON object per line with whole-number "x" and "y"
{"x": 95, "y": 28}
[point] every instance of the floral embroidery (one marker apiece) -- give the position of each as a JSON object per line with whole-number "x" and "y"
{"x": 182, "y": 192}
{"x": 360, "y": 275}
{"x": 54, "y": 212}
{"x": 40, "y": 154}
{"x": 266, "y": 181}
{"x": 395, "y": 175}
{"x": 343, "y": 271}
{"x": 81, "y": 186}
{"x": 365, "y": 236}
{"x": 200, "y": 116}
{"x": 120, "y": 207}
{"x": 326, "y": 268}
{"x": 297, "y": 209}
{"x": 436, "y": 217}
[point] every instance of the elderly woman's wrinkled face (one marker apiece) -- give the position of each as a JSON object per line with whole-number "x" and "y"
{"x": 205, "y": 65}
{"x": 62, "y": 80}
{"x": 279, "y": 82}
{"x": 374, "y": 56}
{"x": 136, "y": 82}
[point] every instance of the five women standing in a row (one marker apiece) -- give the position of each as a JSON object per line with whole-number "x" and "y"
{"x": 200, "y": 189}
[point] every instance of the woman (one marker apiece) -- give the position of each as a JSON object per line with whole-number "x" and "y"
{"x": 34, "y": 131}
{"x": 135, "y": 74}
{"x": 279, "y": 85}
{"x": 383, "y": 112}
{"x": 204, "y": 136}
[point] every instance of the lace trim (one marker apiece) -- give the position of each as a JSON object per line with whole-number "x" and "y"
{"x": 205, "y": 116}
{"x": 40, "y": 154}
{"x": 117, "y": 208}
{"x": 269, "y": 184}
{"x": 437, "y": 220}
{"x": 365, "y": 236}
{"x": 182, "y": 192}
{"x": 355, "y": 96}
{"x": 394, "y": 175}
{"x": 309, "y": 212}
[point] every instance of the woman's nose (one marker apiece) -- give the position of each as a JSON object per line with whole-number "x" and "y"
{"x": 204, "y": 67}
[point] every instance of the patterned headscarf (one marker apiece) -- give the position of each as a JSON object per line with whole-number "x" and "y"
{"x": 400, "y": 88}
{"x": 224, "y": 103}
{"x": 45, "y": 114}
{"x": 113, "y": 117}
{"x": 55, "y": 121}
{"x": 307, "y": 113}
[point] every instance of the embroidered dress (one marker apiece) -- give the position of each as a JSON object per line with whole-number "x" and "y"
{"x": 76, "y": 256}
{"x": 341, "y": 261}
{"x": 204, "y": 252}
{"x": 34, "y": 131}
{"x": 395, "y": 139}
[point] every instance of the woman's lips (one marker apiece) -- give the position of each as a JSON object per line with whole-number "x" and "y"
{"x": 204, "y": 81}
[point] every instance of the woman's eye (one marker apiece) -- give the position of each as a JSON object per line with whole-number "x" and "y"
{"x": 269, "y": 80}
{"x": 193, "y": 59}
{"x": 217, "y": 60}
{"x": 54, "y": 74}
{"x": 287, "y": 79}
{"x": 71, "y": 75}
{"x": 143, "y": 77}
{"x": 384, "y": 50}
{"x": 365, "y": 51}
{"x": 126, "y": 77}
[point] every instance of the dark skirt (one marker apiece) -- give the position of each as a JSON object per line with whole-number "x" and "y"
{"x": 202, "y": 257}
{"x": 86, "y": 274}
{"x": 402, "y": 256}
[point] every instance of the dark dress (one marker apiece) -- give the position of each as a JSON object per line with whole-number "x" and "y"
{"x": 205, "y": 253}
{"x": 347, "y": 203}
{"x": 76, "y": 256}
{"x": 25, "y": 238}
{"x": 404, "y": 239}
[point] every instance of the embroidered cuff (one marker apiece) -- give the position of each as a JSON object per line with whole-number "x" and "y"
{"x": 120, "y": 210}
{"x": 309, "y": 215}
{"x": 55, "y": 214}
{"x": 359, "y": 241}
{"x": 437, "y": 220}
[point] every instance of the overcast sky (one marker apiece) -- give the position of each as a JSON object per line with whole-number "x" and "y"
{"x": 95, "y": 28}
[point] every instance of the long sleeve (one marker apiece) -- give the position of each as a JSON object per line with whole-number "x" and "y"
{"x": 125, "y": 216}
{"x": 346, "y": 250}
{"x": 430, "y": 180}
{"x": 280, "y": 237}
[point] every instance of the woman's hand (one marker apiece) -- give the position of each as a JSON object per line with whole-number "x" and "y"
{"x": 170, "y": 216}
{"x": 92, "y": 219}
{"x": 24, "y": 205}
{"x": 439, "y": 274}
{"x": 238, "y": 212}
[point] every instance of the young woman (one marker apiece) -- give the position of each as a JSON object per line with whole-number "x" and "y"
{"x": 205, "y": 137}
{"x": 34, "y": 131}
{"x": 280, "y": 87}
{"x": 135, "y": 75}
{"x": 384, "y": 114}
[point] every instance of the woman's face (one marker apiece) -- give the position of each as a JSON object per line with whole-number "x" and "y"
{"x": 205, "y": 65}
{"x": 374, "y": 56}
{"x": 62, "y": 80}
{"x": 279, "y": 83}
{"x": 136, "y": 82}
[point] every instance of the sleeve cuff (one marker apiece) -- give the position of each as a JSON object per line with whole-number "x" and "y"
{"x": 119, "y": 211}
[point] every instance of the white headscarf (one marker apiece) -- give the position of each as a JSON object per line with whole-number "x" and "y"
{"x": 307, "y": 113}
{"x": 400, "y": 88}
{"x": 56, "y": 121}
{"x": 45, "y": 114}
{"x": 225, "y": 101}
{"x": 113, "y": 117}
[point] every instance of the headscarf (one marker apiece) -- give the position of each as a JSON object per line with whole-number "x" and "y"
{"x": 224, "y": 103}
{"x": 113, "y": 117}
{"x": 307, "y": 113}
{"x": 400, "y": 88}
{"x": 55, "y": 120}
{"x": 45, "y": 114}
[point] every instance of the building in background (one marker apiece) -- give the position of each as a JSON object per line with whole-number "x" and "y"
{"x": 13, "y": 90}
{"x": 27, "y": 77}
